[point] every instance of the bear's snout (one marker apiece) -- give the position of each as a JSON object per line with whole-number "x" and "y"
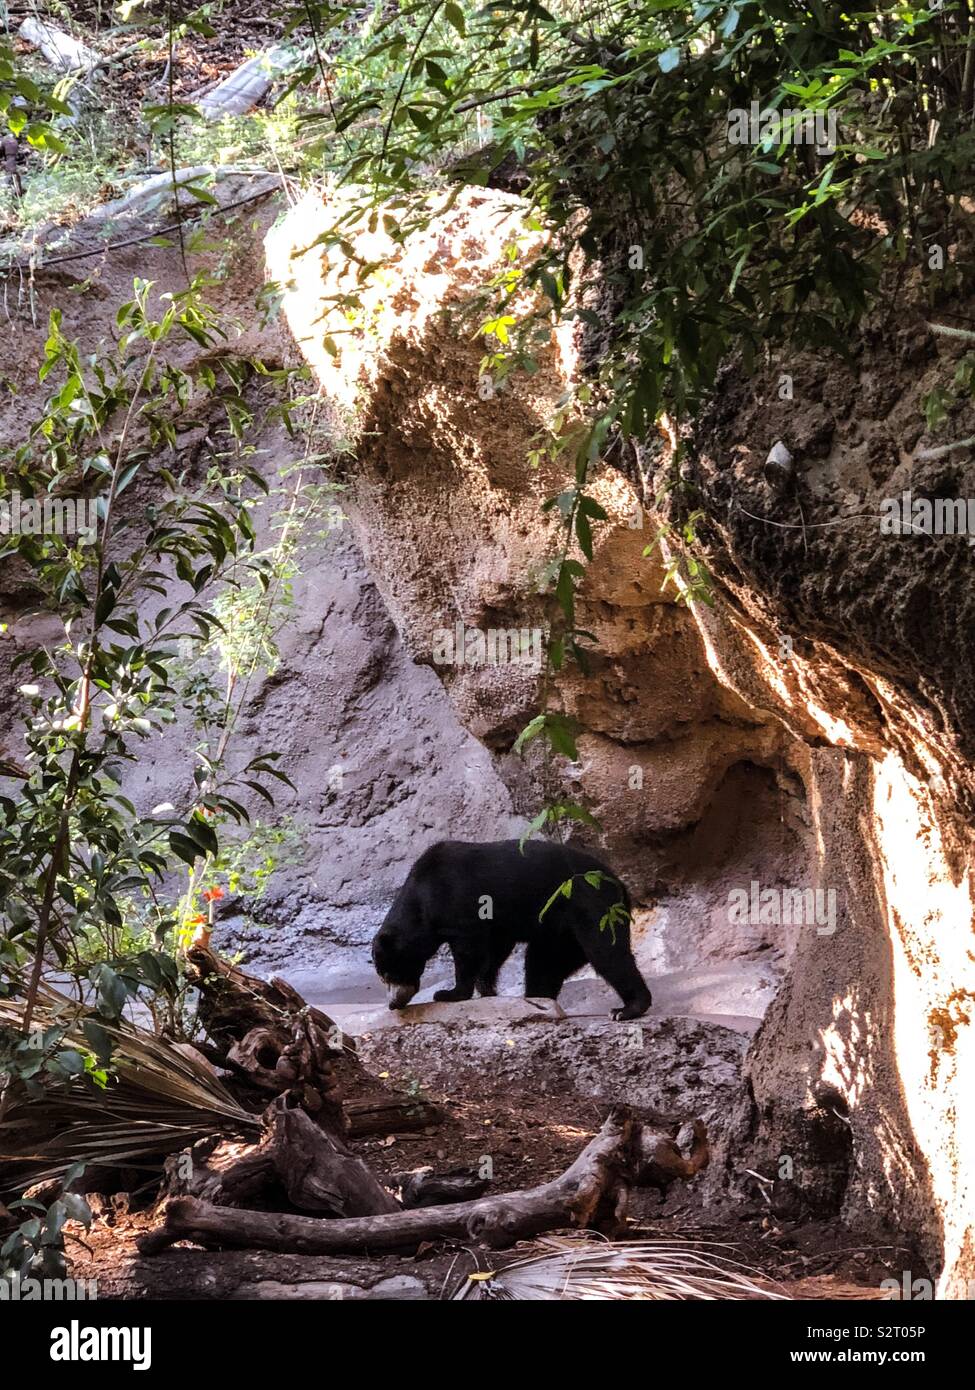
{"x": 400, "y": 995}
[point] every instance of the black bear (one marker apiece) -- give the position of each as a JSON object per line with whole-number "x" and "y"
{"x": 481, "y": 899}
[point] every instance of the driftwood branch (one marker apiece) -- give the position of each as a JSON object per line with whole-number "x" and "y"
{"x": 296, "y": 1162}
{"x": 591, "y": 1193}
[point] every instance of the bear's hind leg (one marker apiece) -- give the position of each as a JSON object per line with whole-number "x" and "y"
{"x": 549, "y": 961}
{"x": 613, "y": 961}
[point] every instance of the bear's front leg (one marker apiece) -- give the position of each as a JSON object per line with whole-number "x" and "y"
{"x": 466, "y": 968}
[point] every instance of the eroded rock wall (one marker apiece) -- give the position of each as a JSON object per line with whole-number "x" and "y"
{"x": 814, "y": 729}
{"x": 450, "y": 520}
{"x": 854, "y": 638}
{"x": 382, "y": 767}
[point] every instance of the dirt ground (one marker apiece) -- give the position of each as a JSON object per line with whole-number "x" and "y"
{"x": 529, "y": 1139}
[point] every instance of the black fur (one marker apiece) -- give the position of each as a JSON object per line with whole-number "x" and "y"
{"x": 441, "y": 903}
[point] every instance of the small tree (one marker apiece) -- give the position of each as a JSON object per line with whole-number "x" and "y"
{"x": 78, "y": 864}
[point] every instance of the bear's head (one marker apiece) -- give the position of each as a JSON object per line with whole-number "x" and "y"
{"x": 399, "y": 964}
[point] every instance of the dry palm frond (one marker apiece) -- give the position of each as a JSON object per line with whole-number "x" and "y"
{"x": 652, "y": 1270}
{"x": 157, "y": 1101}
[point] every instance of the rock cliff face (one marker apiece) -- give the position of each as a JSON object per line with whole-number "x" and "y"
{"x": 382, "y": 767}
{"x": 815, "y": 730}
{"x": 854, "y": 639}
{"x": 696, "y": 792}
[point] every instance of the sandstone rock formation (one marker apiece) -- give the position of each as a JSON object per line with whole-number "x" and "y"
{"x": 864, "y": 1062}
{"x": 842, "y": 756}
{"x": 449, "y": 518}
{"x": 816, "y": 729}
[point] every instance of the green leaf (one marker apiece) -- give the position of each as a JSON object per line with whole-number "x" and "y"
{"x": 584, "y": 534}
{"x": 184, "y": 848}
{"x": 730, "y": 22}
{"x": 536, "y": 824}
{"x": 531, "y": 730}
{"x": 565, "y": 592}
{"x": 113, "y": 993}
{"x": 98, "y": 1039}
{"x": 262, "y": 791}
{"x": 455, "y": 16}
{"x": 562, "y": 738}
{"x": 204, "y": 835}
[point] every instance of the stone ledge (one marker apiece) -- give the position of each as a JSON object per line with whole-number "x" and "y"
{"x": 681, "y": 1066}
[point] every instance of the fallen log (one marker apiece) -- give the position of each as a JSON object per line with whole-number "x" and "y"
{"x": 233, "y": 1002}
{"x": 273, "y": 1041}
{"x": 662, "y": 1160}
{"x": 193, "y": 1275}
{"x": 591, "y": 1193}
{"x": 227, "y": 1172}
{"x": 261, "y": 1056}
{"x": 268, "y": 1036}
{"x": 426, "y": 1188}
{"x": 295, "y": 1162}
{"x": 396, "y": 1114}
{"x": 318, "y": 1172}
{"x": 168, "y": 185}
{"x": 69, "y": 57}
{"x": 64, "y": 53}
{"x": 246, "y": 85}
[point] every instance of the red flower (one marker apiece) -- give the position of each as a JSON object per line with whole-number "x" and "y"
{"x": 213, "y": 894}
